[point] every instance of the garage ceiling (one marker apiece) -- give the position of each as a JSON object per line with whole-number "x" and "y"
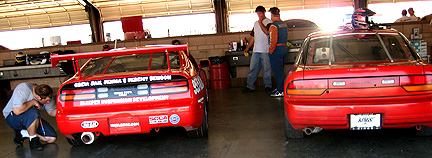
{"x": 27, "y": 14}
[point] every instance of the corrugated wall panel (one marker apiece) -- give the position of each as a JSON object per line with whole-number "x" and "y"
{"x": 78, "y": 16}
{"x": 131, "y": 10}
{"x": 18, "y": 22}
{"x": 4, "y": 25}
{"x": 107, "y": 12}
{"x": 23, "y": 14}
{"x": 39, "y": 19}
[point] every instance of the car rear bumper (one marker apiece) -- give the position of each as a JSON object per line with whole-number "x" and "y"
{"x": 130, "y": 122}
{"x": 399, "y": 114}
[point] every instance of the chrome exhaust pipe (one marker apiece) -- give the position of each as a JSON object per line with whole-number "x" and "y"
{"x": 310, "y": 130}
{"x": 87, "y": 137}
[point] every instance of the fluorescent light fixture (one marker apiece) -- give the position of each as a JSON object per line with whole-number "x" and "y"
{"x": 82, "y": 2}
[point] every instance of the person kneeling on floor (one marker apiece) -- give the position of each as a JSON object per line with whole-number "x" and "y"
{"x": 23, "y": 116}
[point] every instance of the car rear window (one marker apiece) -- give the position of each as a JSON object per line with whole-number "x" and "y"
{"x": 128, "y": 63}
{"x": 357, "y": 48}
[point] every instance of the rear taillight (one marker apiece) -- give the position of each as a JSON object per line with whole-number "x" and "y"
{"x": 73, "y": 91}
{"x": 168, "y": 84}
{"x": 307, "y": 87}
{"x": 169, "y": 87}
{"x": 416, "y": 83}
{"x": 78, "y": 94}
{"x": 110, "y": 92}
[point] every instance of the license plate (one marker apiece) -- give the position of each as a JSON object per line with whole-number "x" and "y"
{"x": 365, "y": 121}
{"x": 124, "y": 125}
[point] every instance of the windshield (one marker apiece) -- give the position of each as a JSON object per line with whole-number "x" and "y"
{"x": 136, "y": 62}
{"x": 357, "y": 48}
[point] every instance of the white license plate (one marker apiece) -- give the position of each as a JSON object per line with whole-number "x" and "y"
{"x": 365, "y": 121}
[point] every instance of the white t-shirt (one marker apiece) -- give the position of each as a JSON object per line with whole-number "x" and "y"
{"x": 413, "y": 18}
{"x": 24, "y": 93}
{"x": 261, "y": 43}
{"x": 403, "y": 19}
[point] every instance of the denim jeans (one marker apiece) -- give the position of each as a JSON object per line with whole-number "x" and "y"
{"x": 258, "y": 61}
{"x": 277, "y": 60}
{"x": 24, "y": 120}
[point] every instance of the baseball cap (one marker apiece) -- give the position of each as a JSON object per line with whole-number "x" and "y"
{"x": 274, "y": 10}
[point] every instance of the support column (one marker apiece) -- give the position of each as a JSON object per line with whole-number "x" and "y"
{"x": 221, "y": 14}
{"x": 360, "y": 4}
{"x": 95, "y": 22}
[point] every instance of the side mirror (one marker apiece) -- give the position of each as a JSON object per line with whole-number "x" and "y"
{"x": 205, "y": 63}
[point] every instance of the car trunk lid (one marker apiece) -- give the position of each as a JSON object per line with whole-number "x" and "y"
{"x": 362, "y": 80}
{"x": 363, "y": 70}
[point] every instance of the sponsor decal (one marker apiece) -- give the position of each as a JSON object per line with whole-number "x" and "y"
{"x": 90, "y": 102}
{"x": 123, "y": 93}
{"x": 112, "y": 81}
{"x": 200, "y": 100}
{"x": 158, "y": 119}
{"x": 81, "y": 84}
{"x": 197, "y": 84}
{"x": 122, "y": 81}
{"x": 132, "y": 124}
{"x": 174, "y": 118}
{"x": 124, "y": 100}
{"x": 137, "y": 79}
{"x": 160, "y": 78}
{"x": 89, "y": 124}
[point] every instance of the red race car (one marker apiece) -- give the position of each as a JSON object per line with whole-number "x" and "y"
{"x": 357, "y": 79}
{"x": 128, "y": 91}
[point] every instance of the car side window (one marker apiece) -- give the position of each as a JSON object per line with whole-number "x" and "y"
{"x": 318, "y": 51}
{"x": 397, "y": 49}
{"x": 303, "y": 53}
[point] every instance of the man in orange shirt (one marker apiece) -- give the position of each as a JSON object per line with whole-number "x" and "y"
{"x": 278, "y": 32}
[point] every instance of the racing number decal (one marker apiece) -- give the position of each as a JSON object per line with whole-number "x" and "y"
{"x": 197, "y": 84}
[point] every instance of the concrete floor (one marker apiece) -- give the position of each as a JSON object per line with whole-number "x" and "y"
{"x": 241, "y": 125}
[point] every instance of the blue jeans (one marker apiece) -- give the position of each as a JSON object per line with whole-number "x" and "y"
{"x": 258, "y": 61}
{"x": 277, "y": 60}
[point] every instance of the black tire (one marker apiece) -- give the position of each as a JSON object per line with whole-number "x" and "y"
{"x": 202, "y": 131}
{"x": 76, "y": 141}
{"x": 424, "y": 131}
{"x": 290, "y": 132}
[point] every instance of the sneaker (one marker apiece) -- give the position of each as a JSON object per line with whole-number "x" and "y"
{"x": 246, "y": 89}
{"x": 267, "y": 89}
{"x": 35, "y": 144}
{"x": 277, "y": 94}
{"x": 273, "y": 91}
{"x": 18, "y": 139}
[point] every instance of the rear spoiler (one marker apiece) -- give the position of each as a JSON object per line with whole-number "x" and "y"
{"x": 55, "y": 58}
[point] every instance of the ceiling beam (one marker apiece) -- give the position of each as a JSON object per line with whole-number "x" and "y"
{"x": 32, "y": 9}
{"x": 54, "y": 12}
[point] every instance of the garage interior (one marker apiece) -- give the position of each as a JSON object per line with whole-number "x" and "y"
{"x": 241, "y": 124}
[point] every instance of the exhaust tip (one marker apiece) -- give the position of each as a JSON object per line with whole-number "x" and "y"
{"x": 307, "y": 131}
{"x": 310, "y": 130}
{"x": 87, "y": 137}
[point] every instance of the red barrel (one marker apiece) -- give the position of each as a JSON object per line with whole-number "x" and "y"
{"x": 219, "y": 73}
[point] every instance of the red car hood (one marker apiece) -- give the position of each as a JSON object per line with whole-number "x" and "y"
{"x": 411, "y": 67}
